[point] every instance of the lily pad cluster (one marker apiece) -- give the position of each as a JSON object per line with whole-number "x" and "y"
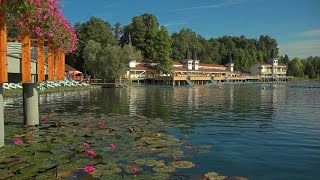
{"x": 109, "y": 146}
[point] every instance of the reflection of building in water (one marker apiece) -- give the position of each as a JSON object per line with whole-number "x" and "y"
{"x": 231, "y": 91}
{"x": 193, "y": 97}
{"x": 132, "y": 98}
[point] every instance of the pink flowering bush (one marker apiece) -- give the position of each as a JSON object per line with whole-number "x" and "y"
{"x": 42, "y": 18}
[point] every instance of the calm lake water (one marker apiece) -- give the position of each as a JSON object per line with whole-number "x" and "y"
{"x": 256, "y": 131}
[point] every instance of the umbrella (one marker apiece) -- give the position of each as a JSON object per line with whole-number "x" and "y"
{"x": 74, "y": 72}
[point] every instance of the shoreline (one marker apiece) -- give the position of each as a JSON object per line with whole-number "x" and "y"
{"x": 18, "y": 92}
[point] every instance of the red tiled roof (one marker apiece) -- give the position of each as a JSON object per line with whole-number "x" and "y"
{"x": 213, "y": 70}
{"x": 211, "y": 65}
{"x": 179, "y": 69}
{"x": 176, "y": 63}
{"x": 140, "y": 67}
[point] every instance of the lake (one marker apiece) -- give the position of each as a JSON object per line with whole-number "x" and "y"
{"x": 256, "y": 131}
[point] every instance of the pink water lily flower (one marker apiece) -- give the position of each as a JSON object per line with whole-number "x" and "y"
{"x": 100, "y": 124}
{"x": 89, "y": 169}
{"x": 18, "y": 142}
{"x": 90, "y": 153}
{"x": 85, "y": 144}
{"x": 113, "y": 146}
{"x": 134, "y": 170}
{"x": 44, "y": 118}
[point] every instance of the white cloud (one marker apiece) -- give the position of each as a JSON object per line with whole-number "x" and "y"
{"x": 224, "y": 3}
{"x": 302, "y": 48}
{"x": 311, "y": 33}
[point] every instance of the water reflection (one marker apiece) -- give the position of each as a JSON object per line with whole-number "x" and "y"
{"x": 273, "y": 131}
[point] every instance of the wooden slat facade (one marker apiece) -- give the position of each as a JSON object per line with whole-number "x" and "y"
{"x": 3, "y": 46}
{"x": 50, "y": 63}
{"x": 26, "y": 57}
{"x": 40, "y": 66}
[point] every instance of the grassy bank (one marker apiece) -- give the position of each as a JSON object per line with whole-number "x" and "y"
{"x": 18, "y": 92}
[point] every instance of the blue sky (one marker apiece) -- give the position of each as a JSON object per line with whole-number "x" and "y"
{"x": 294, "y": 23}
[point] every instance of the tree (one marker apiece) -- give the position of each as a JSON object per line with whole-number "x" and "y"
{"x": 143, "y": 30}
{"x": 295, "y": 68}
{"x": 309, "y": 70}
{"x": 187, "y": 38}
{"x": 284, "y": 60}
{"x": 117, "y": 31}
{"x": 91, "y": 54}
{"x": 163, "y": 49}
{"x": 95, "y": 29}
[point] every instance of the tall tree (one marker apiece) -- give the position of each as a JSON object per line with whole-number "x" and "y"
{"x": 163, "y": 49}
{"x": 295, "y": 68}
{"x": 117, "y": 31}
{"x": 143, "y": 30}
{"x": 309, "y": 70}
{"x": 91, "y": 54}
{"x": 95, "y": 29}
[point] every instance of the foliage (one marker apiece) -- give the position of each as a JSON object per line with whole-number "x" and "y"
{"x": 94, "y": 29}
{"x": 145, "y": 30}
{"x": 245, "y": 52}
{"x": 295, "y": 68}
{"x": 163, "y": 49}
{"x": 41, "y": 19}
{"x": 110, "y": 61}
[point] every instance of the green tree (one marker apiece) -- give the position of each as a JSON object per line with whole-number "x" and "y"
{"x": 163, "y": 49}
{"x": 144, "y": 30}
{"x": 91, "y": 55}
{"x": 95, "y": 29}
{"x": 117, "y": 31}
{"x": 309, "y": 70}
{"x": 187, "y": 38}
{"x": 284, "y": 60}
{"x": 295, "y": 68}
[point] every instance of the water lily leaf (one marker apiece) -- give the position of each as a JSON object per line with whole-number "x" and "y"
{"x": 182, "y": 164}
{"x": 5, "y": 173}
{"x": 108, "y": 169}
{"x": 149, "y": 162}
{"x": 172, "y": 153}
{"x": 214, "y": 176}
{"x": 19, "y": 166}
{"x": 164, "y": 169}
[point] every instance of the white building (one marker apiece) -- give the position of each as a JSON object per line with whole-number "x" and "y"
{"x": 272, "y": 69}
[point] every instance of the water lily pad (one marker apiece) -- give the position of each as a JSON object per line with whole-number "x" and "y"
{"x": 182, "y": 164}
{"x": 164, "y": 169}
{"x": 214, "y": 176}
{"x": 149, "y": 162}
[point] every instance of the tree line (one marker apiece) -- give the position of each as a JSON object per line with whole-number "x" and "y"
{"x": 104, "y": 50}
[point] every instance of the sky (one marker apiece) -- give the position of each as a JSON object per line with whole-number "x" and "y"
{"x": 295, "y": 24}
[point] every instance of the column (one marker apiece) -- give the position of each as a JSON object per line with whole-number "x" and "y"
{"x": 30, "y": 104}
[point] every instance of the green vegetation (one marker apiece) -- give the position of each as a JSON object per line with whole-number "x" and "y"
{"x": 308, "y": 68}
{"x": 103, "y": 50}
{"x": 65, "y": 143}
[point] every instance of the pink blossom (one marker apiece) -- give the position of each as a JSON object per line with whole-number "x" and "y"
{"x": 100, "y": 124}
{"x": 90, "y": 153}
{"x": 50, "y": 34}
{"x": 18, "y": 142}
{"x": 85, "y": 144}
{"x": 89, "y": 169}
{"x": 113, "y": 146}
{"x": 134, "y": 170}
{"x": 38, "y": 32}
{"x": 44, "y": 118}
